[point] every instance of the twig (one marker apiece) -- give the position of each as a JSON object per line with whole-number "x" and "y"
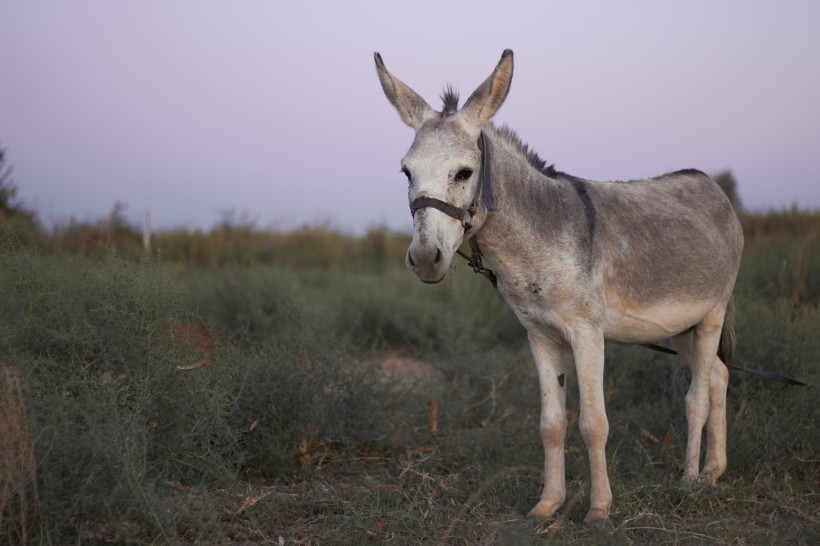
{"x": 201, "y": 364}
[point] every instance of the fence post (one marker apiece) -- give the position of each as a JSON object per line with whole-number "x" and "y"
{"x": 146, "y": 233}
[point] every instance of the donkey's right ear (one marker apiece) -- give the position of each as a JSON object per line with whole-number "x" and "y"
{"x": 488, "y": 98}
{"x": 413, "y": 110}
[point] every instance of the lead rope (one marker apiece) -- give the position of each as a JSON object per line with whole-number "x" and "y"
{"x": 474, "y": 261}
{"x": 760, "y": 373}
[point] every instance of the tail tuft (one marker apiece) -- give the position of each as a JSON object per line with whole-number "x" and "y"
{"x": 727, "y": 334}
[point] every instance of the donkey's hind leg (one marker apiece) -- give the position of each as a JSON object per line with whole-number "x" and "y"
{"x": 715, "y": 463}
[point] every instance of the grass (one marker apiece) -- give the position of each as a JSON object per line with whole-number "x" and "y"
{"x": 153, "y": 401}
{"x": 18, "y": 476}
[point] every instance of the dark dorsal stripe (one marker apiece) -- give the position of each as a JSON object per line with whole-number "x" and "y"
{"x": 583, "y": 194}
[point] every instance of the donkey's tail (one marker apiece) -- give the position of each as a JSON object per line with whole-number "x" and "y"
{"x": 727, "y": 334}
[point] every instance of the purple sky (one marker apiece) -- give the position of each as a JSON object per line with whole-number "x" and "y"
{"x": 273, "y": 109}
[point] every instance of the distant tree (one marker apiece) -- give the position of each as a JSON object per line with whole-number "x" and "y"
{"x": 726, "y": 180}
{"x": 14, "y": 217}
{"x": 117, "y": 232}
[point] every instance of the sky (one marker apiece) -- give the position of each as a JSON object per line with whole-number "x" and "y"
{"x": 271, "y": 111}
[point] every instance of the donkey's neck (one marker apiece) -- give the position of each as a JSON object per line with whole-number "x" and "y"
{"x": 539, "y": 218}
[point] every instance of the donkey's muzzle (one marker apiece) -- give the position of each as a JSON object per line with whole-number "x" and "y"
{"x": 427, "y": 262}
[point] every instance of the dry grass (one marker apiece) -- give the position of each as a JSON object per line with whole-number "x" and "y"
{"x": 19, "y": 503}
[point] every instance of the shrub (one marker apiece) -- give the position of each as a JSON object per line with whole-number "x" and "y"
{"x": 112, "y": 415}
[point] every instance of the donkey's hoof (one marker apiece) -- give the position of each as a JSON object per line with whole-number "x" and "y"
{"x": 710, "y": 474}
{"x": 698, "y": 481}
{"x": 597, "y": 518}
{"x": 690, "y": 481}
{"x": 543, "y": 511}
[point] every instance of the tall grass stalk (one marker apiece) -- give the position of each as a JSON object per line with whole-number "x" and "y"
{"x": 19, "y": 502}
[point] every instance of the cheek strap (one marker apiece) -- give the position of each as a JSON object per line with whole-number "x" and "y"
{"x": 483, "y": 186}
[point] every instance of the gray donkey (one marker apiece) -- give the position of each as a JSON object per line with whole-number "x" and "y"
{"x": 579, "y": 262}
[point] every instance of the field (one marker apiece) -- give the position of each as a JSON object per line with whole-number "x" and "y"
{"x": 243, "y": 387}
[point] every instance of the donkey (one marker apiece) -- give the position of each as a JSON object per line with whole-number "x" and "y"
{"x": 579, "y": 262}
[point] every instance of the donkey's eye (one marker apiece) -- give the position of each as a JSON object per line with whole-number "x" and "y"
{"x": 463, "y": 175}
{"x": 407, "y": 174}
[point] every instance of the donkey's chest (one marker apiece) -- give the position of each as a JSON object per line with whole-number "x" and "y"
{"x": 548, "y": 304}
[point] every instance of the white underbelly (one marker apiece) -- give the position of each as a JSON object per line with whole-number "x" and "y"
{"x": 653, "y": 323}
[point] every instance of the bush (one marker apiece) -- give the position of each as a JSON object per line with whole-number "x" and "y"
{"x": 102, "y": 347}
{"x": 113, "y": 417}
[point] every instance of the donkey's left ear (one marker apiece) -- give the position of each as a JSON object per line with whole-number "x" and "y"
{"x": 489, "y": 96}
{"x": 412, "y": 109}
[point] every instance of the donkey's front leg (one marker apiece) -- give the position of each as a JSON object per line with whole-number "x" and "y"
{"x": 588, "y": 348}
{"x": 548, "y": 361}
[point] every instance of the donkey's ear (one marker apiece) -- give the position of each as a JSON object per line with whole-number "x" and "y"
{"x": 411, "y": 107}
{"x": 489, "y": 96}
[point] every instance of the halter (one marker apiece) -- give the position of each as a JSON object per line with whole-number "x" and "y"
{"x": 465, "y": 215}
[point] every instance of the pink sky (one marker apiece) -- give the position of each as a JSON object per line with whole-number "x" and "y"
{"x": 273, "y": 109}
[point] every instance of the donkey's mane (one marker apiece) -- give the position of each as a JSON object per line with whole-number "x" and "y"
{"x": 450, "y": 100}
{"x": 513, "y": 142}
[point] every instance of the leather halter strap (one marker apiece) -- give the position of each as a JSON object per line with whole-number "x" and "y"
{"x": 464, "y": 215}
{"x": 445, "y": 207}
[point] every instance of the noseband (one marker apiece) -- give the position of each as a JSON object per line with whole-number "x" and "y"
{"x": 465, "y": 215}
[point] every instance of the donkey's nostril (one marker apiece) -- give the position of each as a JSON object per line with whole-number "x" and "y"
{"x": 437, "y": 259}
{"x": 410, "y": 259}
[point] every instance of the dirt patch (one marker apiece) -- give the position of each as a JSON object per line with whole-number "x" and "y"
{"x": 407, "y": 372}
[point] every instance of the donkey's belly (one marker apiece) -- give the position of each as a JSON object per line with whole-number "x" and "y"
{"x": 659, "y": 321}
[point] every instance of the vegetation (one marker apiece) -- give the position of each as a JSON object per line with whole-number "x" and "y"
{"x": 238, "y": 386}
{"x": 15, "y": 219}
{"x": 726, "y": 181}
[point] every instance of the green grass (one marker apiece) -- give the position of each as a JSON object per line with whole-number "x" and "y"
{"x": 289, "y": 428}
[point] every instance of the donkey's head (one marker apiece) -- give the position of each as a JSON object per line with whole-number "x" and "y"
{"x": 443, "y": 165}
